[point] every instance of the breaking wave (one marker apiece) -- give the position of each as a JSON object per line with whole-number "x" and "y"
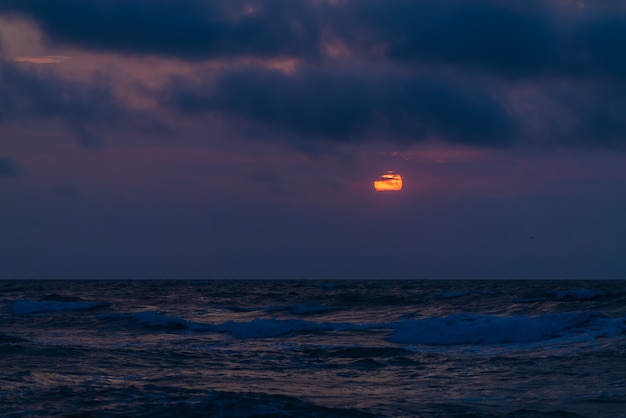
{"x": 465, "y": 329}
{"x": 256, "y": 328}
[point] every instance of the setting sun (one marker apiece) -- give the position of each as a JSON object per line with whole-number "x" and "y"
{"x": 388, "y": 182}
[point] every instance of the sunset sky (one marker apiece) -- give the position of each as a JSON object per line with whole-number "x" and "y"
{"x": 242, "y": 138}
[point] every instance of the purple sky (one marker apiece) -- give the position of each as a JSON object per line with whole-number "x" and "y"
{"x": 241, "y": 138}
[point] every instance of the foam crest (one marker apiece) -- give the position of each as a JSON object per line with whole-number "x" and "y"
{"x": 485, "y": 329}
{"x": 25, "y": 306}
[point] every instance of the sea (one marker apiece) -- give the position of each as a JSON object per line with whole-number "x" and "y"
{"x": 298, "y": 348}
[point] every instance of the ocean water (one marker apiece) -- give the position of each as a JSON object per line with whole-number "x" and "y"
{"x": 313, "y": 349}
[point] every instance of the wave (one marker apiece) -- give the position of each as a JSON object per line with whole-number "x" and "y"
{"x": 269, "y": 328}
{"x": 10, "y": 339}
{"x": 460, "y": 329}
{"x": 450, "y": 295}
{"x": 302, "y": 309}
{"x": 256, "y": 328}
{"x": 530, "y": 300}
{"x": 235, "y": 308}
{"x": 359, "y": 352}
{"x": 156, "y": 320}
{"x": 250, "y": 404}
{"x": 581, "y": 293}
{"x": 26, "y": 306}
{"x": 218, "y": 404}
{"x": 466, "y": 329}
{"x": 325, "y": 285}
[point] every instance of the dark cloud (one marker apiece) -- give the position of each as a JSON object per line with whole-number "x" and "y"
{"x": 516, "y": 38}
{"x": 86, "y": 109}
{"x": 414, "y": 69}
{"x": 600, "y": 46}
{"x": 560, "y": 113}
{"x": 481, "y": 34}
{"x": 597, "y": 115}
{"x": 512, "y": 39}
{"x": 8, "y": 167}
{"x": 350, "y": 106}
{"x": 191, "y": 29}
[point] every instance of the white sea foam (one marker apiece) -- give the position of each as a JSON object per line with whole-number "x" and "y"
{"x": 485, "y": 329}
{"x": 581, "y": 293}
{"x": 25, "y": 306}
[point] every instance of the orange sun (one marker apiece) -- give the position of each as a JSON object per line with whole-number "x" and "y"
{"x": 388, "y": 182}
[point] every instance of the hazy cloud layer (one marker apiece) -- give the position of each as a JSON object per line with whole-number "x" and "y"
{"x": 8, "y": 167}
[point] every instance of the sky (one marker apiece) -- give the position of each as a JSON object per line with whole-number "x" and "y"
{"x": 211, "y": 139}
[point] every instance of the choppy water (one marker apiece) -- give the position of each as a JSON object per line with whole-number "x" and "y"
{"x": 308, "y": 349}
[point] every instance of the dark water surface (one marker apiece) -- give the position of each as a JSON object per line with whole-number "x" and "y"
{"x": 308, "y": 349}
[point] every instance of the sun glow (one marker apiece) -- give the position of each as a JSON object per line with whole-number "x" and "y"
{"x": 388, "y": 182}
